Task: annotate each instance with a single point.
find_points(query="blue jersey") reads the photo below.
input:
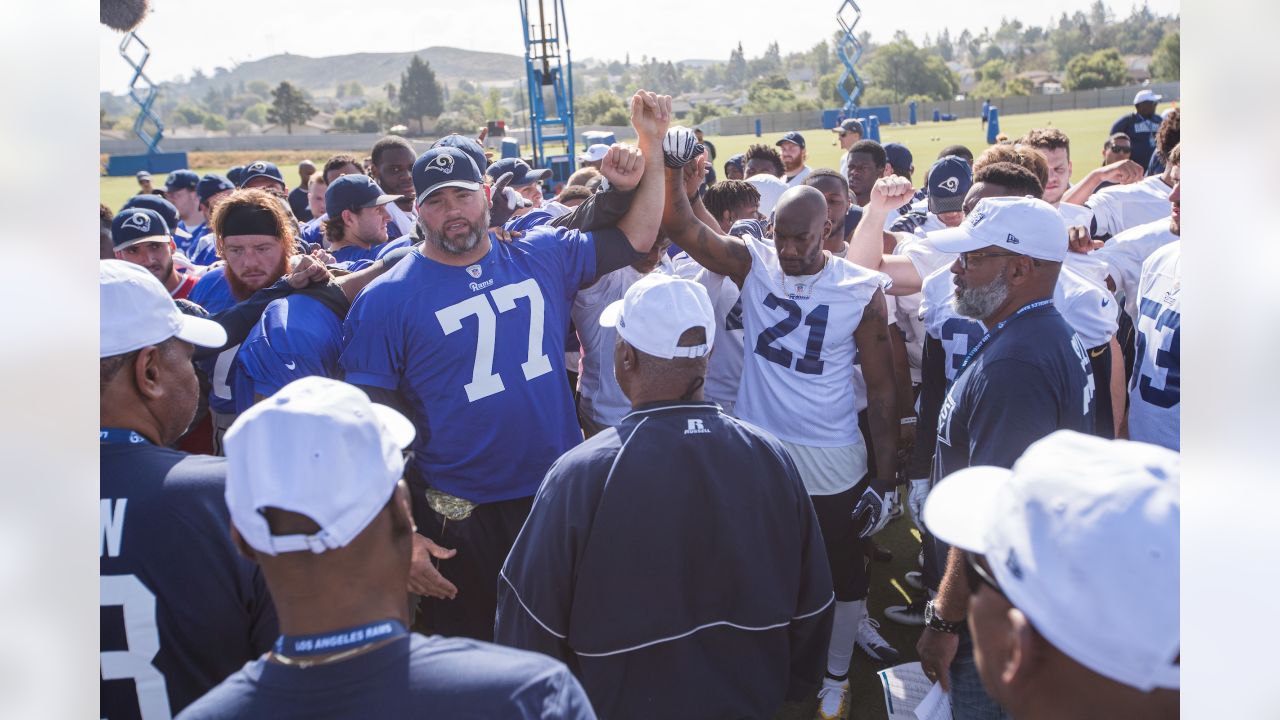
(411, 677)
(477, 354)
(180, 608)
(313, 231)
(402, 241)
(213, 293)
(351, 253)
(296, 337)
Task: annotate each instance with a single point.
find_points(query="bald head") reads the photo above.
(800, 225)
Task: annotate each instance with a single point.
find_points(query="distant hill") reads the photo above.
(373, 70)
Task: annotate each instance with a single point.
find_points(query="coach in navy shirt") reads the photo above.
(467, 335)
(1141, 126)
(674, 562)
(337, 561)
(1028, 376)
(180, 608)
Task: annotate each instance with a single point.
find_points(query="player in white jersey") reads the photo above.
(805, 315)
(1155, 405)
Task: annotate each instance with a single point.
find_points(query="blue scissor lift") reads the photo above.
(849, 50)
(549, 66)
(147, 126)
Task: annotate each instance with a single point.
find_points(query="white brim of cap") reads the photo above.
(147, 239)
(962, 508)
(612, 313)
(956, 240)
(464, 184)
(397, 426)
(202, 332)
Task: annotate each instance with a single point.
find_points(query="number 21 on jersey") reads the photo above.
(811, 363)
(484, 381)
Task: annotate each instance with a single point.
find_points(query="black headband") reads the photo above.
(249, 220)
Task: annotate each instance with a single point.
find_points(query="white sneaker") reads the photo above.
(895, 510)
(915, 579)
(876, 647)
(912, 614)
(833, 701)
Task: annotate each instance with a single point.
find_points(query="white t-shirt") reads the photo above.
(798, 358)
(927, 258)
(799, 177)
(724, 367)
(602, 399)
(1125, 253)
(1117, 208)
(1075, 215)
(1155, 397)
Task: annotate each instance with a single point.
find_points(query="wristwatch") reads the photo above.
(933, 622)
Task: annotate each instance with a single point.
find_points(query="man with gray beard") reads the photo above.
(1026, 377)
(466, 336)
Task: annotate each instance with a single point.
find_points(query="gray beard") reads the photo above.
(460, 248)
(981, 302)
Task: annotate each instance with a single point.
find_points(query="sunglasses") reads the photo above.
(977, 576)
(1122, 149)
(967, 257)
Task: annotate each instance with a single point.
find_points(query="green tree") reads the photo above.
(1166, 63)
(736, 73)
(421, 96)
(593, 108)
(289, 106)
(187, 114)
(1099, 70)
(214, 123)
(904, 69)
(259, 88)
(355, 90)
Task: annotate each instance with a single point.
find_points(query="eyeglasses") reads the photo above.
(977, 576)
(967, 257)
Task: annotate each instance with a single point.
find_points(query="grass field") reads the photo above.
(1088, 129)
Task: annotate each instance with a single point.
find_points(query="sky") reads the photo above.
(184, 35)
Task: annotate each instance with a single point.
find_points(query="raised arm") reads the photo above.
(722, 254)
(650, 115)
(1122, 172)
(866, 246)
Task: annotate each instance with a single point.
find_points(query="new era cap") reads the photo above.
(792, 137)
(181, 180)
(354, 192)
(1146, 96)
(132, 226)
(164, 208)
(260, 168)
(595, 153)
(444, 167)
(211, 185)
(657, 310)
(949, 181)
(319, 448)
(136, 311)
(522, 174)
(1082, 537)
(1023, 225)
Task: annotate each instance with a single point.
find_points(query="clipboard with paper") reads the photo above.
(909, 695)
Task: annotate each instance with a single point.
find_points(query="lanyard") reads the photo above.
(120, 436)
(339, 640)
(999, 326)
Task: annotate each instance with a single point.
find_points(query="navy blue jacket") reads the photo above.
(675, 564)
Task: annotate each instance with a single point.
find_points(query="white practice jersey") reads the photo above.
(1125, 253)
(1086, 306)
(1117, 208)
(907, 314)
(924, 256)
(798, 354)
(602, 399)
(1074, 215)
(1155, 404)
(799, 177)
(724, 367)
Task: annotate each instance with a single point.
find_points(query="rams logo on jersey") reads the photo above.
(138, 221)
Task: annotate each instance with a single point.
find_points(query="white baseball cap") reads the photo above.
(770, 189)
(595, 153)
(1082, 537)
(657, 310)
(136, 311)
(318, 448)
(1147, 96)
(1023, 225)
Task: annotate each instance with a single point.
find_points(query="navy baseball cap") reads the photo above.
(181, 180)
(792, 137)
(523, 174)
(849, 125)
(465, 144)
(444, 167)
(354, 192)
(211, 185)
(735, 161)
(138, 225)
(949, 181)
(142, 175)
(234, 175)
(165, 209)
(260, 168)
(899, 157)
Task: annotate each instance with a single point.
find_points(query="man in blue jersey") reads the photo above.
(165, 209)
(357, 220)
(180, 608)
(335, 167)
(316, 499)
(1141, 126)
(254, 236)
(211, 190)
(467, 335)
(180, 189)
(141, 237)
